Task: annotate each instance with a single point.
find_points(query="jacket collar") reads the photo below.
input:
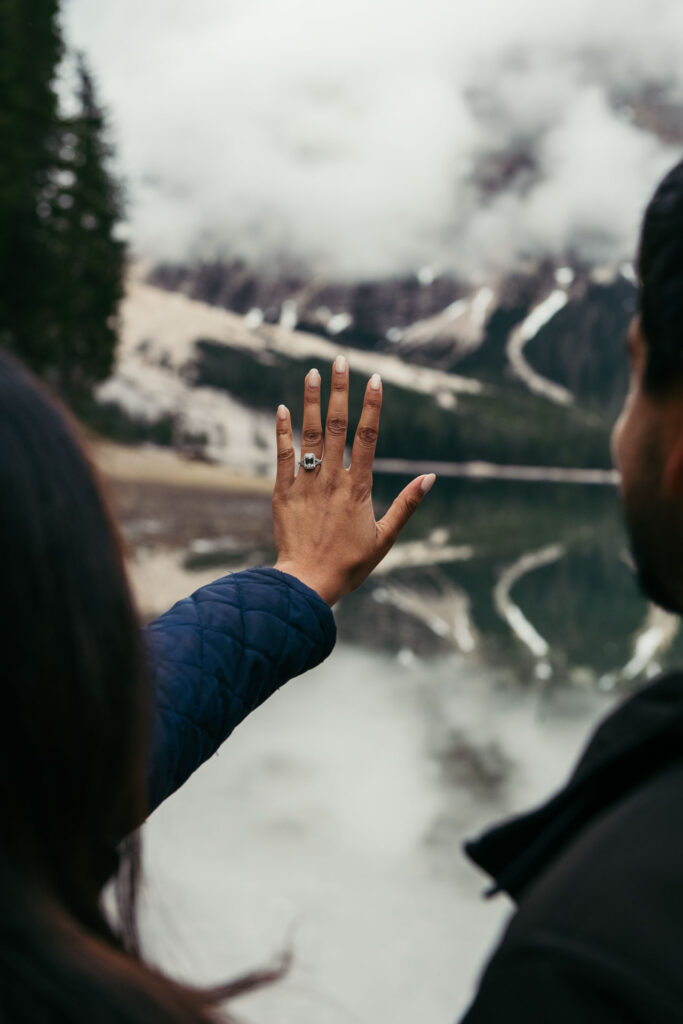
(641, 737)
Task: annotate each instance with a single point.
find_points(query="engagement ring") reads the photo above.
(310, 461)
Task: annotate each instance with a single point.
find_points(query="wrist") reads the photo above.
(310, 578)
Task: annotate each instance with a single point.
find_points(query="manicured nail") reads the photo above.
(313, 378)
(340, 364)
(282, 412)
(427, 482)
(375, 382)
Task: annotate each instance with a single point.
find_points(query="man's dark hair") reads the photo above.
(660, 269)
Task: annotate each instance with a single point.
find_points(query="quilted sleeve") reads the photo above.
(217, 655)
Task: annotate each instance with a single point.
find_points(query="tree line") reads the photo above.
(61, 260)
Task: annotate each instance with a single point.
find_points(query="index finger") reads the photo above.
(365, 441)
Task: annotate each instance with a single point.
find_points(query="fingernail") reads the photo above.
(282, 412)
(313, 378)
(427, 482)
(375, 382)
(340, 364)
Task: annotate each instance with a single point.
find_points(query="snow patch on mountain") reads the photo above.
(153, 376)
(462, 324)
(539, 316)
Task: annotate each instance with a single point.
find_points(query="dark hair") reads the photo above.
(660, 270)
(73, 723)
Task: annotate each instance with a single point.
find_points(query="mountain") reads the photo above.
(527, 369)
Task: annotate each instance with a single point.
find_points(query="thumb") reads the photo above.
(402, 508)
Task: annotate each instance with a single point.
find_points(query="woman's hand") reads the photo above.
(325, 529)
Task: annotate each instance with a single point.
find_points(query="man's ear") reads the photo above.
(637, 346)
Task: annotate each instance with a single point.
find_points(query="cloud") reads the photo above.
(353, 137)
(595, 174)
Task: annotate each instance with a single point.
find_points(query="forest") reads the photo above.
(62, 256)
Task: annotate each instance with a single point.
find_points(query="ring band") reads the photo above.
(310, 461)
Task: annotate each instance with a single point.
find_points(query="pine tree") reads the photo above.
(61, 264)
(87, 209)
(30, 51)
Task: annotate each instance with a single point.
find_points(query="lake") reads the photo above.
(468, 674)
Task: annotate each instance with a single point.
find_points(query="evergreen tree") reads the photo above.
(30, 51)
(87, 208)
(61, 265)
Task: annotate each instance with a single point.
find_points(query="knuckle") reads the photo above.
(336, 425)
(410, 504)
(367, 436)
(312, 435)
(389, 539)
(339, 383)
(285, 455)
(360, 491)
(373, 400)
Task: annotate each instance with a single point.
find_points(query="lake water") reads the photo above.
(465, 681)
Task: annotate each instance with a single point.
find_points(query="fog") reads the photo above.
(363, 139)
(332, 821)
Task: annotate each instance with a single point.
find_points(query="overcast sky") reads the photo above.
(344, 134)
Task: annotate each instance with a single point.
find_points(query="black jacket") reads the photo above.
(597, 873)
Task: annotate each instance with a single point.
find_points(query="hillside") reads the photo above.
(525, 370)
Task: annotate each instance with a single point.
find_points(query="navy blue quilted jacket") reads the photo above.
(217, 655)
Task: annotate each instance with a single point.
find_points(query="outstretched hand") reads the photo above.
(325, 529)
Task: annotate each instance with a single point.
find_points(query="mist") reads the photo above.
(338, 814)
(357, 140)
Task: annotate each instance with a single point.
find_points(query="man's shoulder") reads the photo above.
(617, 886)
(634, 745)
(597, 872)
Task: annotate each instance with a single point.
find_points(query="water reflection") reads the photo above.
(333, 820)
(470, 669)
(530, 578)
(533, 576)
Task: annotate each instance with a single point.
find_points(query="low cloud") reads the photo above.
(360, 139)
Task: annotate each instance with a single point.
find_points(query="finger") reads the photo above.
(285, 448)
(365, 441)
(337, 415)
(311, 430)
(402, 508)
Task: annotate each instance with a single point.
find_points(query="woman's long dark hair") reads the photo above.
(74, 706)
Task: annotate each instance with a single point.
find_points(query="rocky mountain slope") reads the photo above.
(527, 369)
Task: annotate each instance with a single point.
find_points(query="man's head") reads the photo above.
(647, 441)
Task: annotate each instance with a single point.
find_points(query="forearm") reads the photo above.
(217, 655)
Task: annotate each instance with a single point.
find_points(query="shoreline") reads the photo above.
(151, 464)
(493, 471)
(155, 465)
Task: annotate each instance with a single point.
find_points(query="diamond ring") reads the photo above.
(310, 461)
